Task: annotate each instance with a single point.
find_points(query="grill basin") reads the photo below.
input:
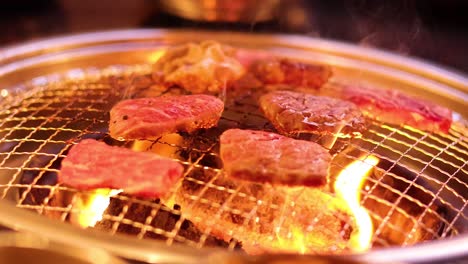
(417, 192)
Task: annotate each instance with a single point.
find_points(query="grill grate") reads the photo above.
(416, 193)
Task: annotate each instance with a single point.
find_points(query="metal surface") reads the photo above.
(223, 10)
(28, 248)
(58, 91)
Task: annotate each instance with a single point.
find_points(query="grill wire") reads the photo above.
(417, 192)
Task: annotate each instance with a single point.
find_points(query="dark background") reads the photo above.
(436, 30)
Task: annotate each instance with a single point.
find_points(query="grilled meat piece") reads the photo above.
(207, 67)
(92, 164)
(293, 73)
(150, 118)
(294, 112)
(265, 218)
(260, 156)
(394, 107)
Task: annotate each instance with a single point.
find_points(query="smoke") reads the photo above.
(391, 25)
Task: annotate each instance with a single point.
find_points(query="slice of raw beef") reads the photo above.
(92, 164)
(150, 118)
(395, 107)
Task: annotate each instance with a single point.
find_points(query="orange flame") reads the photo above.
(294, 241)
(156, 55)
(166, 146)
(93, 206)
(348, 187)
(314, 226)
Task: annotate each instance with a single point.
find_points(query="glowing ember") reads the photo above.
(348, 187)
(155, 56)
(295, 241)
(166, 146)
(311, 222)
(93, 206)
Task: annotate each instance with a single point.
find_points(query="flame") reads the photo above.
(167, 146)
(92, 206)
(295, 241)
(348, 187)
(313, 226)
(155, 56)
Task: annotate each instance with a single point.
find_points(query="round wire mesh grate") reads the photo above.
(417, 191)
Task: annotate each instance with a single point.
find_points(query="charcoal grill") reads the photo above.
(56, 92)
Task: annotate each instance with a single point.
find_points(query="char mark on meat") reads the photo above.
(150, 118)
(92, 164)
(260, 156)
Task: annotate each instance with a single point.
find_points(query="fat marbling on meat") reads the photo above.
(92, 164)
(260, 156)
(395, 107)
(150, 118)
(294, 112)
